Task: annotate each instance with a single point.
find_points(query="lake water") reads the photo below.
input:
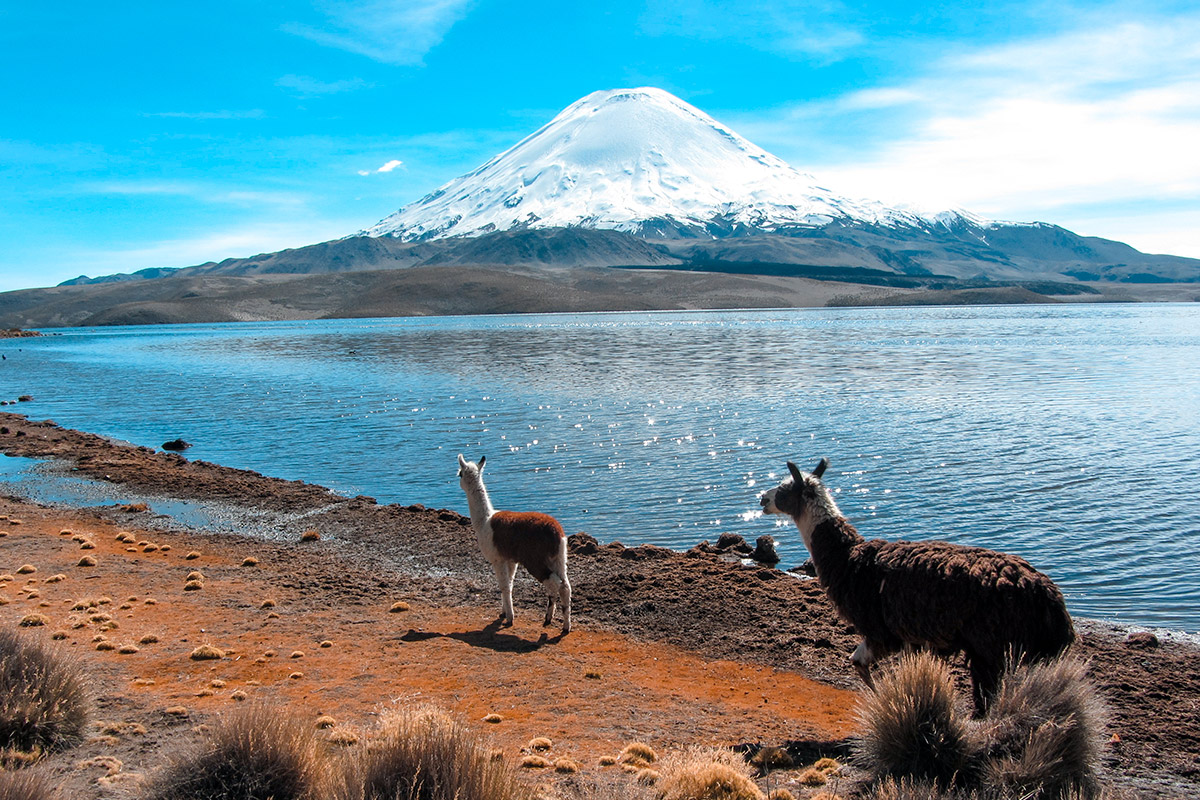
(1067, 434)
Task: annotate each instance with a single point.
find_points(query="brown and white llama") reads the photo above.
(947, 598)
(507, 538)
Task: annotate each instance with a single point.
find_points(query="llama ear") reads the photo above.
(462, 462)
(797, 476)
(820, 470)
(482, 461)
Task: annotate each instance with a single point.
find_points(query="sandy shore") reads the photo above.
(668, 648)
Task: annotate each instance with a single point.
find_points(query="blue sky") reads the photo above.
(163, 134)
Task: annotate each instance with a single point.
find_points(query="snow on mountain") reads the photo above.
(635, 160)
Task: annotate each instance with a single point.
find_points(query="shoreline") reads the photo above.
(649, 600)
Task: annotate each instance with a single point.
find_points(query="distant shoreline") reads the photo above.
(496, 289)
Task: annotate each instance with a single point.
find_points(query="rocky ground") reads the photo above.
(668, 648)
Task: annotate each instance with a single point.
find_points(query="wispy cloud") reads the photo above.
(235, 241)
(253, 113)
(303, 86)
(388, 167)
(199, 192)
(1054, 128)
(392, 31)
(818, 29)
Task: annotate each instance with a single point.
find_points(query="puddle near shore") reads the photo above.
(52, 483)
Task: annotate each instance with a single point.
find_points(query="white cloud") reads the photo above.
(392, 31)
(388, 167)
(1051, 129)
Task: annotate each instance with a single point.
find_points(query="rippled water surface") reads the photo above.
(1067, 434)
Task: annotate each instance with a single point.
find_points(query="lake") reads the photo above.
(1066, 434)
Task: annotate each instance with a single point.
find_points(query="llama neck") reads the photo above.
(828, 535)
(480, 504)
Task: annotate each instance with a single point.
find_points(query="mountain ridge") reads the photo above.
(622, 182)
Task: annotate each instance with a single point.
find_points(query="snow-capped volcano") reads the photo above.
(635, 160)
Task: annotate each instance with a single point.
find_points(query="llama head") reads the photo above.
(798, 494)
(468, 472)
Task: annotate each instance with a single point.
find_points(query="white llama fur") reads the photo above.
(520, 545)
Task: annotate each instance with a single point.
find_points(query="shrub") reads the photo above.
(911, 727)
(44, 703)
(424, 754)
(254, 753)
(1041, 736)
(706, 774)
(1044, 731)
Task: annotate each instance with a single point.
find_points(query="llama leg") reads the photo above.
(551, 586)
(564, 600)
(985, 679)
(862, 658)
(504, 578)
(510, 572)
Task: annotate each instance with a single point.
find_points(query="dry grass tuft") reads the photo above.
(493, 719)
(812, 777)
(608, 761)
(706, 774)
(768, 758)
(325, 721)
(44, 703)
(398, 607)
(238, 695)
(647, 777)
(829, 766)
(149, 638)
(1041, 737)
(910, 724)
(424, 754)
(637, 751)
(34, 621)
(26, 569)
(1044, 731)
(343, 737)
(195, 575)
(128, 649)
(565, 766)
(26, 785)
(193, 586)
(533, 761)
(207, 652)
(310, 536)
(539, 744)
(55, 578)
(256, 753)
(105, 646)
(250, 561)
(192, 556)
(326, 644)
(784, 794)
(268, 603)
